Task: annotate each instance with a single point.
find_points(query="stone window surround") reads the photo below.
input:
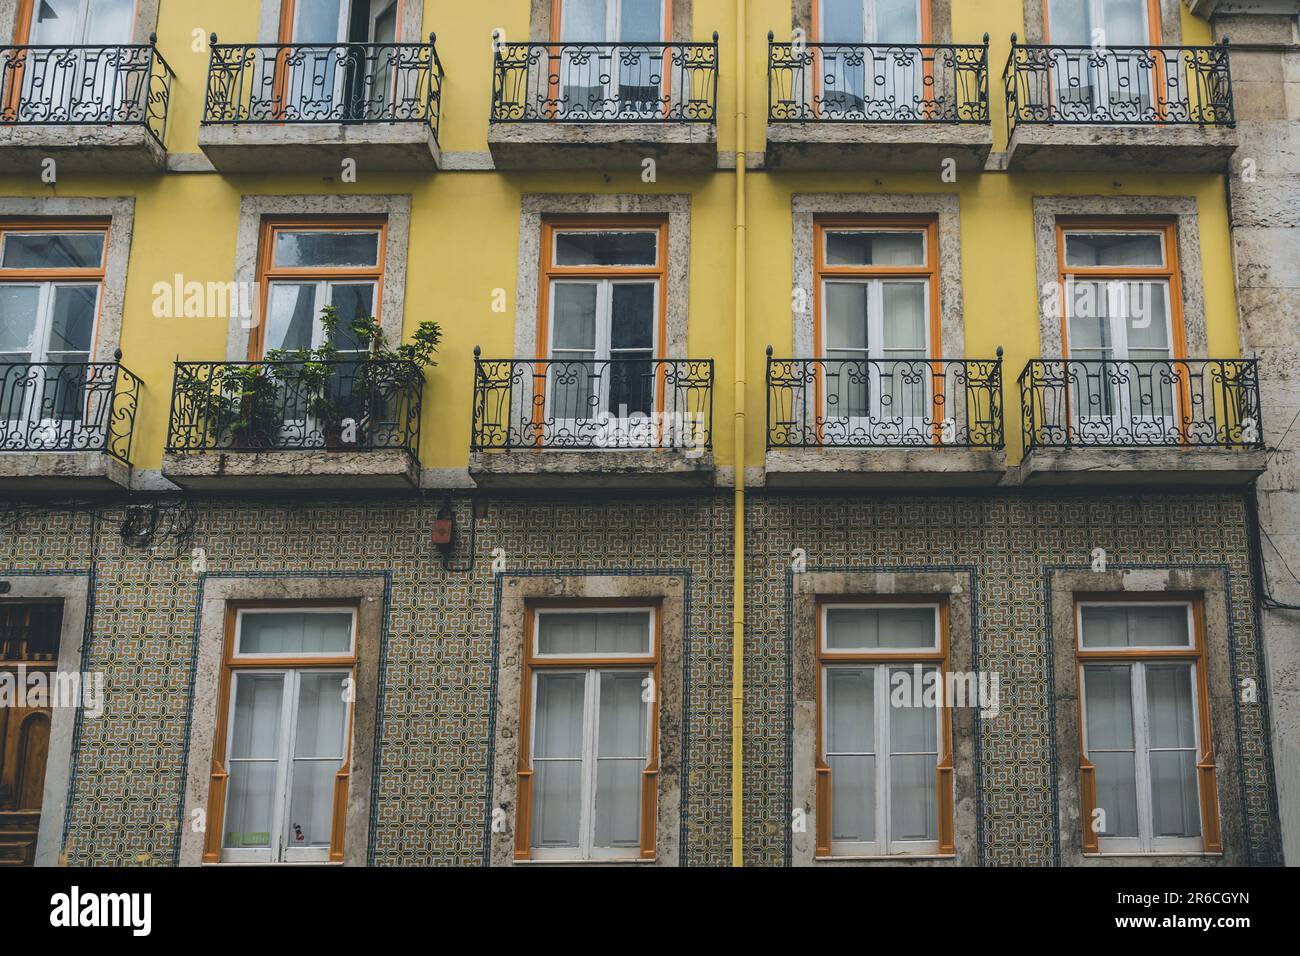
(956, 588)
(369, 593)
(146, 19)
(74, 591)
(253, 210)
(536, 206)
(940, 19)
(1064, 586)
(409, 30)
(516, 592)
(120, 215)
(1171, 26)
(1183, 209)
(541, 15)
(945, 207)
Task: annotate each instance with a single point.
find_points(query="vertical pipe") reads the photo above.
(738, 574)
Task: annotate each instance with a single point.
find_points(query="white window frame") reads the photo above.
(539, 613)
(236, 654)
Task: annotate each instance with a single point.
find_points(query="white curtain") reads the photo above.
(557, 759)
(1171, 727)
(875, 628)
(621, 753)
(254, 760)
(318, 753)
(294, 634)
(588, 634)
(913, 757)
(1108, 701)
(850, 752)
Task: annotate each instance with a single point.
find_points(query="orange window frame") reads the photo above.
(96, 274)
(1206, 772)
(944, 775)
(1155, 35)
(556, 51)
(929, 226)
(927, 40)
(219, 776)
(268, 272)
(533, 664)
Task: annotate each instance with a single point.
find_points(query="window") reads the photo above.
(1122, 327)
(876, 301)
(603, 319)
(884, 764)
(74, 82)
(1101, 81)
(612, 64)
(872, 83)
(588, 760)
(281, 758)
(1147, 768)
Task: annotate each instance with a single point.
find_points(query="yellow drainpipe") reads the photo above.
(738, 440)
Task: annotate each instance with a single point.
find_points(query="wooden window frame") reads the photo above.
(219, 778)
(1206, 771)
(533, 663)
(268, 272)
(939, 658)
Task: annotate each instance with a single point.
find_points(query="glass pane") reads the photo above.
(850, 710)
(606, 248)
(881, 628)
(1105, 626)
(291, 315)
(557, 730)
(898, 21)
(249, 804)
(1171, 720)
(1146, 309)
(317, 21)
(632, 322)
(641, 20)
(1116, 793)
(1069, 22)
(842, 21)
(912, 729)
(875, 249)
(72, 326)
(18, 305)
(311, 803)
(575, 315)
(53, 250)
(353, 301)
(295, 633)
(585, 21)
(110, 21)
(259, 700)
(853, 798)
(1089, 317)
(1125, 22)
(322, 724)
(1108, 700)
(324, 249)
(557, 783)
(621, 756)
(913, 787)
(1175, 803)
(846, 315)
(586, 633)
(1137, 626)
(904, 318)
(55, 22)
(1113, 249)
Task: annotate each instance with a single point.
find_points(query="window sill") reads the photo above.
(612, 861)
(326, 864)
(896, 858)
(1147, 856)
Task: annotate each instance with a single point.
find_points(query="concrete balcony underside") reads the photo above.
(61, 471)
(861, 146)
(1174, 149)
(676, 147)
(320, 148)
(293, 470)
(599, 468)
(1108, 467)
(80, 148)
(902, 468)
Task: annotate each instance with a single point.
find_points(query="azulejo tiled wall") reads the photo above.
(431, 798)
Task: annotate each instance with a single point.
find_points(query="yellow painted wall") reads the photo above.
(464, 233)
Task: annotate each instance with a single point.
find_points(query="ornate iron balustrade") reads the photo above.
(877, 83)
(68, 407)
(635, 403)
(361, 404)
(1119, 85)
(1112, 403)
(884, 403)
(126, 85)
(605, 82)
(324, 83)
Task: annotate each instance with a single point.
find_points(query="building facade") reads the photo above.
(663, 432)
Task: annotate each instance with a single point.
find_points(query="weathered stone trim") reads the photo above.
(940, 19)
(515, 592)
(1047, 209)
(535, 206)
(253, 209)
(946, 207)
(540, 20)
(217, 591)
(410, 26)
(73, 589)
(120, 213)
(957, 587)
(1217, 659)
(146, 19)
(1171, 24)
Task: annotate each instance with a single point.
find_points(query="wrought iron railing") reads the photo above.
(1119, 85)
(605, 82)
(884, 403)
(1115, 403)
(68, 407)
(362, 404)
(324, 83)
(877, 82)
(125, 85)
(635, 403)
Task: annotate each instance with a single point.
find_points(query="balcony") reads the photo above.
(884, 423)
(352, 423)
(1167, 421)
(100, 109)
(877, 106)
(307, 107)
(66, 426)
(636, 422)
(1157, 109)
(606, 106)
